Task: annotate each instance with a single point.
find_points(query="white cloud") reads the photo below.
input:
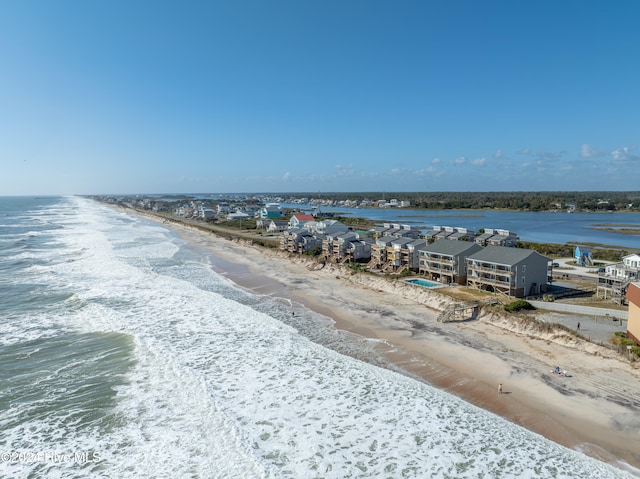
(286, 176)
(436, 161)
(624, 154)
(461, 160)
(498, 154)
(587, 151)
(478, 162)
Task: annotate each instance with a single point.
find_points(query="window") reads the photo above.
(523, 280)
(524, 268)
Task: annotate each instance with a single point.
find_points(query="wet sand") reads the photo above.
(596, 410)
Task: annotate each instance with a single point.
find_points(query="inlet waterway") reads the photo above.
(539, 227)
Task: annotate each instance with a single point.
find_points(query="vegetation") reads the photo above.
(554, 250)
(621, 340)
(518, 305)
(246, 224)
(355, 221)
(315, 251)
(507, 200)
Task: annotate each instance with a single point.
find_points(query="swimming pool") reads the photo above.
(425, 283)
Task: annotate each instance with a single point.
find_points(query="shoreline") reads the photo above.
(595, 411)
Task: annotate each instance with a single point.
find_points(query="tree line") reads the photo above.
(514, 200)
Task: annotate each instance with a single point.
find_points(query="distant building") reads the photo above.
(270, 212)
(613, 282)
(277, 226)
(582, 256)
(207, 214)
(298, 221)
(238, 215)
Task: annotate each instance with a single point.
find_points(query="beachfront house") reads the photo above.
(379, 250)
(445, 260)
(410, 254)
(345, 247)
(513, 272)
(334, 244)
(613, 282)
(299, 241)
(633, 319)
(393, 262)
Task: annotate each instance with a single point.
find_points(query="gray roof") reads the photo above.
(451, 248)
(505, 255)
(417, 242)
(349, 236)
(386, 240)
(402, 241)
(485, 236)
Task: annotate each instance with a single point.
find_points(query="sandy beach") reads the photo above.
(596, 409)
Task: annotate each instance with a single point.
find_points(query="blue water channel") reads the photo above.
(541, 227)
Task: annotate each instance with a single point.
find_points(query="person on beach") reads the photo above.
(500, 388)
(578, 326)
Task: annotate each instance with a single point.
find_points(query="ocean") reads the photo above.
(124, 354)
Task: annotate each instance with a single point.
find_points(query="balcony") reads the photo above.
(490, 270)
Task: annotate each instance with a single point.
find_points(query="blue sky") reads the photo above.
(318, 96)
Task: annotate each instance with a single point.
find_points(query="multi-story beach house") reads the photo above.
(379, 250)
(410, 255)
(513, 272)
(345, 248)
(396, 230)
(299, 241)
(613, 282)
(394, 254)
(449, 232)
(445, 260)
(497, 237)
(334, 245)
(633, 320)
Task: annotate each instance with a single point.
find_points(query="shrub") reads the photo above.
(518, 305)
(315, 251)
